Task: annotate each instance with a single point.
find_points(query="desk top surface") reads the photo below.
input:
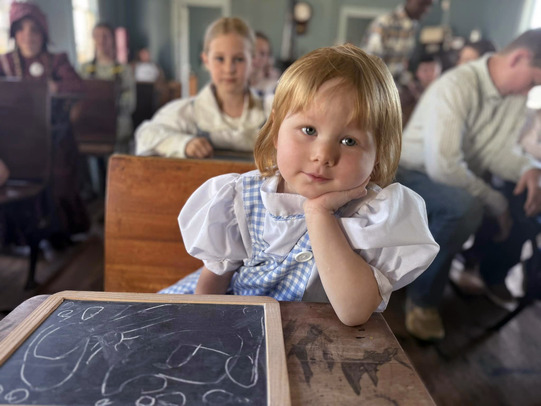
(328, 362)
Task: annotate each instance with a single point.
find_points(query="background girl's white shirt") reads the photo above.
(178, 122)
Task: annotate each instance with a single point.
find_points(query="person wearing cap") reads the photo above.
(31, 61)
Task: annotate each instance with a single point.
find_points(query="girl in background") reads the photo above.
(264, 76)
(319, 220)
(225, 114)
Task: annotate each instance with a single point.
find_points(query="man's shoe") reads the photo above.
(467, 280)
(424, 323)
(500, 296)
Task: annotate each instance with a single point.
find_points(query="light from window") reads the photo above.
(535, 20)
(5, 43)
(85, 16)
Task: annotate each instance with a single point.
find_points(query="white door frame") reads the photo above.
(347, 12)
(181, 29)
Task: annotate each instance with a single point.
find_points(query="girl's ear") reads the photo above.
(205, 59)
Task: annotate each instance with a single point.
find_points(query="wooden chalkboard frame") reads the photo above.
(277, 376)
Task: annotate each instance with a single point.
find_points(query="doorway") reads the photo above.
(192, 19)
(354, 21)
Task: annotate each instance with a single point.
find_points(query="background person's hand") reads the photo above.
(199, 147)
(531, 182)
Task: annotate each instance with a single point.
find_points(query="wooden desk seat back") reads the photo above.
(94, 118)
(25, 141)
(25, 137)
(146, 102)
(143, 245)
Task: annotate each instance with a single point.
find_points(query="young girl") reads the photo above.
(313, 223)
(225, 114)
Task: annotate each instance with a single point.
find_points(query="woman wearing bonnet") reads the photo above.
(31, 61)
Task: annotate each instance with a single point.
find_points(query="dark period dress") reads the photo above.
(62, 202)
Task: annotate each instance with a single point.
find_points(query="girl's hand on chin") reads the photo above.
(332, 201)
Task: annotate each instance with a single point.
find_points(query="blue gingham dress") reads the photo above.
(263, 274)
(241, 224)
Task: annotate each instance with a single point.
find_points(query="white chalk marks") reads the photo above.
(112, 353)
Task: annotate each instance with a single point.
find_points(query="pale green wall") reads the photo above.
(60, 22)
(498, 20)
(149, 22)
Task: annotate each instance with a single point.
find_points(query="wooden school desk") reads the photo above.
(328, 363)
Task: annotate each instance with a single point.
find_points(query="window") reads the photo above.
(535, 19)
(5, 43)
(85, 16)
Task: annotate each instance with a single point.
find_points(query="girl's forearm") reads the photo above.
(348, 280)
(211, 284)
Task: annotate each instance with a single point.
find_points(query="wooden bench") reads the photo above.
(146, 102)
(94, 118)
(143, 245)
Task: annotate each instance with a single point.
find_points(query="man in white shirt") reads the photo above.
(465, 127)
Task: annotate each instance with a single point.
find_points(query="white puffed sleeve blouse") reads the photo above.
(388, 228)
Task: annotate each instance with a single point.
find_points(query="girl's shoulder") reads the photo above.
(183, 107)
(221, 192)
(231, 180)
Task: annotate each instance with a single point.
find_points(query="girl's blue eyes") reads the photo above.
(309, 130)
(222, 59)
(348, 142)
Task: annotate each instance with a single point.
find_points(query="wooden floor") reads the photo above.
(470, 367)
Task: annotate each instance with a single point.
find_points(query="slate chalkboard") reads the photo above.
(141, 349)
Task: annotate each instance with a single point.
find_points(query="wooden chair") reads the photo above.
(146, 103)
(25, 147)
(143, 245)
(94, 118)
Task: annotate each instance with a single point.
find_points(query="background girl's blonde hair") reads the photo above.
(376, 107)
(228, 25)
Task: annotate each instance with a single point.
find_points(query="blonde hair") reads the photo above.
(228, 25)
(376, 103)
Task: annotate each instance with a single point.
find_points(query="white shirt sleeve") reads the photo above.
(390, 231)
(209, 226)
(168, 132)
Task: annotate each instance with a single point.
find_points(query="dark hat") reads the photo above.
(18, 11)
